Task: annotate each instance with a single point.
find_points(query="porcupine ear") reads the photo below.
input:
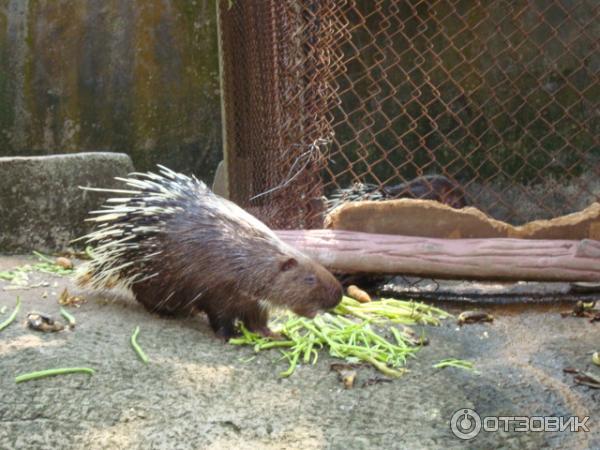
(287, 264)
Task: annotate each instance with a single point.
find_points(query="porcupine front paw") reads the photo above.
(223, 327)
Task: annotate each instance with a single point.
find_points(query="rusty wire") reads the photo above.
(501, 97)
(278, 79)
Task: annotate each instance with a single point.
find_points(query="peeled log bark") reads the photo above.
(491, 259)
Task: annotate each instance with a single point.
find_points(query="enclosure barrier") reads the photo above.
(498, 96)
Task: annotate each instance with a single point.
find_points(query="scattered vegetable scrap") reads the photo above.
(596, 358)
(584, 378)
(353, 340)
(477, 316)
(348, 379)
(43, 322)
(70, 319)
(346, 374)
(412, 337)
(584, 309)
(19, 278)
(12, 316)
(458, 363)
(52, 372)
(136, 346)
(52, 266)
(63, 262)
(66, 299)
(358, 294)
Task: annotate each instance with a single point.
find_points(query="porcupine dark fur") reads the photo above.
(182, 249)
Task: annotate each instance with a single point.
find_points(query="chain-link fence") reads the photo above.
(500, 98)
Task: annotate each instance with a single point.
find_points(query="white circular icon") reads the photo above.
(465, 424)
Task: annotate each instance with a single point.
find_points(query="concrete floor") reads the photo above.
(200, 393)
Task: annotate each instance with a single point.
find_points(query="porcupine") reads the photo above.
(182, 249)
(429, 187)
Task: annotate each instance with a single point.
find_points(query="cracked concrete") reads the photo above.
(200, 393)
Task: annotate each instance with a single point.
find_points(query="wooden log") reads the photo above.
(490, 259)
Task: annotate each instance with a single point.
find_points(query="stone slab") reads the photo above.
(41, 204)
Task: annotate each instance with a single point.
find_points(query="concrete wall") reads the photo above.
(139, 77)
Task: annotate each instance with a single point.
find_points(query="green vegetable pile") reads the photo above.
(349, 332)
(46, 264)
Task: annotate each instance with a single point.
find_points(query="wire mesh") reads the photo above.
(499, 98)
(277, 88)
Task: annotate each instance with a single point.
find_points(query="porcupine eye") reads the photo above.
(311, 280)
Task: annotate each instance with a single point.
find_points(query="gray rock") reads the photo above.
(41, 204)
